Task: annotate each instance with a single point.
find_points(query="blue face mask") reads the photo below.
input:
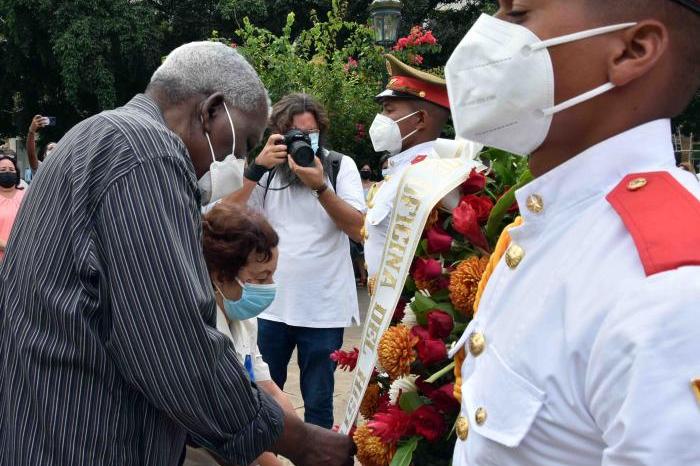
(254, 300)
(314, 140)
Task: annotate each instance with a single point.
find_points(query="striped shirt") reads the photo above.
(108, 348)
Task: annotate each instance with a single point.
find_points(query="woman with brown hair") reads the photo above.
(240, 249)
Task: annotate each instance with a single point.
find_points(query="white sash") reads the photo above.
(422, 186)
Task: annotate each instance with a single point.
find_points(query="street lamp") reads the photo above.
(386, 16)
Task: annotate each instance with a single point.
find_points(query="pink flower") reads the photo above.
(416, 59)
(390, 426)
(347, 360)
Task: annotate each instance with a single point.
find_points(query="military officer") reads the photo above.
(585, 348)
(415, 109)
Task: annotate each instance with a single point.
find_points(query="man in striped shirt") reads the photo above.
(108, 351)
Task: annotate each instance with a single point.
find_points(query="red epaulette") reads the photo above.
(662, 217)
(418, 159)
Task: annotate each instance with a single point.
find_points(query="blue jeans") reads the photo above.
(277, 341)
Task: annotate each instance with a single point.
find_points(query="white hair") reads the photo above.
(209, 67)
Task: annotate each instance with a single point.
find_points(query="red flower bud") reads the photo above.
(464, 220)
(428, 423)
(426, 269)
(444, 399)
(475, 183)
(391, 425)
(440, 324)
(431, 351)
(421, 332)
(439, 240)
(482, 206)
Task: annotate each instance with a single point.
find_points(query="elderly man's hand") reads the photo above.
(313, 176)
(326, 448)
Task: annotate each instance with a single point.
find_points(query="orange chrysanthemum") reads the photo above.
(370, 401)
(431, 286)
(396, 352)
(371, 451)
(464, 281)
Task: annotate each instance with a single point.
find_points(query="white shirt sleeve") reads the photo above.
(260, 367)
(349, 184)
(638, 382)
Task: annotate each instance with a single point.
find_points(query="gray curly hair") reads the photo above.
(208, 67)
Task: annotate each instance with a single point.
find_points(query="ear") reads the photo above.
(211, 106)
(422, 116)
(637, 52)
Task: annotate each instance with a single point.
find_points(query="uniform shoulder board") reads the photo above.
(662, 217)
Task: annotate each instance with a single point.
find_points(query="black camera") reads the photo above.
(299, 147)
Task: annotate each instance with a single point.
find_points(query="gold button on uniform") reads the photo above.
(637, 183)
(462, 427)
(477, 343)
(480, 416)
(514, 255)
(535, 203)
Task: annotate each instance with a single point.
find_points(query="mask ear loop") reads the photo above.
(211, 148)
(412, 132)
(233, 131)
(571, 38)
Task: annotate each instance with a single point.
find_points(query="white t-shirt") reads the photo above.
(315, 278)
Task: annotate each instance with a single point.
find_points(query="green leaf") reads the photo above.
(404, 454)
(410, 401)
(421, 306)
(499, 211)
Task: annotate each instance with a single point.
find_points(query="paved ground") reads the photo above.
(342, 379)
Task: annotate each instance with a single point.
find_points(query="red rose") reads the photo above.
(421, 332)
(464, 220)
(426, 269)
(431, 351)
(442, 283)
(347, 360)
(424, 387)
(392, 425)
(444, 399)
(482, 206)
(439, 240)
(475, 183)
(440, 324)
(428, 423)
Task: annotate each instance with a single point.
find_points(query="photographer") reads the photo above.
(314, 209)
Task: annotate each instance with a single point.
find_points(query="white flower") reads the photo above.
(405, 384)
(409, 316)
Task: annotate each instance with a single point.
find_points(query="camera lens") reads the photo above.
(302, 153)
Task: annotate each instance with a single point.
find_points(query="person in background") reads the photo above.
(37, 123)
(109, 349)
(240, 249)
(11, 195)
(367, 181)
(415, 109)
(384, 164)
(317, 296)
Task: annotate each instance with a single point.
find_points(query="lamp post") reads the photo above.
(386, 16)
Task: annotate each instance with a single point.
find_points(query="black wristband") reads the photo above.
(254, 172)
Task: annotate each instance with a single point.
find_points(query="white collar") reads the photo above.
(598, 169)
(406, 157)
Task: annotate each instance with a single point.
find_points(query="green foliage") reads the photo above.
(404, 454)
(335, 60)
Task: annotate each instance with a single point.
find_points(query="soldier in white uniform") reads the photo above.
(585, 348)
(415, 109)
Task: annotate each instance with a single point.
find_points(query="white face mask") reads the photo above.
(223, 177)
(386, 134)
(500, 81)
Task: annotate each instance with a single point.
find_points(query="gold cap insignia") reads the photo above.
(695, 386)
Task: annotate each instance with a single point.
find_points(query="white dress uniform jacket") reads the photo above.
(586, 360)
(378, 218)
